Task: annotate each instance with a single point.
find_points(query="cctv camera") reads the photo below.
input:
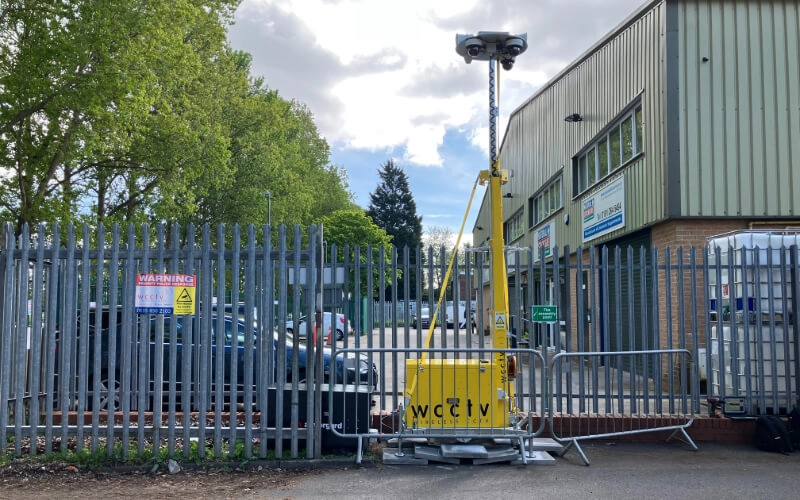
(507, 62)
(515, 46)
(474, 47)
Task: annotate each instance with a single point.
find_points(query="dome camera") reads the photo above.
(507, 62)
(515, 46)
(474, 47)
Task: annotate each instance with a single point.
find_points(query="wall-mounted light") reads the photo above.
(508, 195)
(574, 117)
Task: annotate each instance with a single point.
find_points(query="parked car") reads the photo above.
(300, 327)
(237, 310)
(345, 369)
(422, 319)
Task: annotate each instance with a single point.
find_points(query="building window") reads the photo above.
(515, 227)
(618, 144)
(546, 202)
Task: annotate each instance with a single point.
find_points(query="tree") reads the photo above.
(276, 147)
(107, 105)
(139, 111)
(344, 227)
(439, 236)
(393, 208)
(439, 243)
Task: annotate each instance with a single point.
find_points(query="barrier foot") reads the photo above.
(566, 447)
(570, 444)
(686, 439)
(359, 454)
(523, 451)
(400, 448)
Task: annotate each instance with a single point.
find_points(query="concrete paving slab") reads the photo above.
(393, 442)
(537, 458)
(434, 453)
(464, 450)
(544, 444)
(390, 457)
(498, 455)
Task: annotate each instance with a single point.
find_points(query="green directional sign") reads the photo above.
(545, 314)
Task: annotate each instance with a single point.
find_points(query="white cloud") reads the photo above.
(383, 75)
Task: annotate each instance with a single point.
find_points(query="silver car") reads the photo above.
(342, 326)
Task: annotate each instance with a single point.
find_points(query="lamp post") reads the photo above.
(502, 47)
(269, 207)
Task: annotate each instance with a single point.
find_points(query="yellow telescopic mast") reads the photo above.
(502, 48)
(477, 395)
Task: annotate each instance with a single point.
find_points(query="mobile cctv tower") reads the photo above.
(470, 394)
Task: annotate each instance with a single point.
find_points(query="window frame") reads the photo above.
(629, 121)
(515, 226)
(546, 201)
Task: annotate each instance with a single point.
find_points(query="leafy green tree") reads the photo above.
(138, 111)
(108, 106)
(276, 147)
(393, 208)
(344, 227)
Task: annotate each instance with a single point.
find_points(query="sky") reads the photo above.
(383, 81)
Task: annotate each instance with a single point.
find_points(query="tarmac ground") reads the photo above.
(618, 470)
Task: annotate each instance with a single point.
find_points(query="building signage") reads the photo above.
(545, 241)
(544, 314)
(604, 211)
(165, 293)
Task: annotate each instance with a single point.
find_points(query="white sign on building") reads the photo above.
(604, 210)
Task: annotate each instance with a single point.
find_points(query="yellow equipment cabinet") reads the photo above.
(457, 394)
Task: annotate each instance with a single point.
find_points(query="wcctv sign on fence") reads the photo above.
(165, 293)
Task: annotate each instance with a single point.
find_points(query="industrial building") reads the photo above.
(682, 123)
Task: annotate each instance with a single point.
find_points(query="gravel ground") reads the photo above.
(63, 480)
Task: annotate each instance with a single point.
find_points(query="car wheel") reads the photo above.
(301, 376)
(109, 400)
(289, 331)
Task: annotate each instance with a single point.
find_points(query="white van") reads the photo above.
(450, 316)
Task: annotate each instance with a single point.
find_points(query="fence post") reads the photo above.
(6, 275)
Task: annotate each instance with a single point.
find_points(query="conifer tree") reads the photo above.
(392, 208)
